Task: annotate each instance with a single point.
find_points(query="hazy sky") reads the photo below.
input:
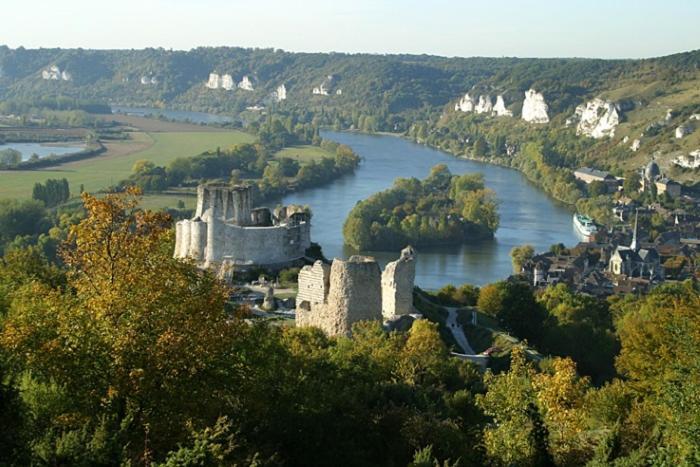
(536, 28)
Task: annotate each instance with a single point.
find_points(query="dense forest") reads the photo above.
(378, 92)
(442, 209)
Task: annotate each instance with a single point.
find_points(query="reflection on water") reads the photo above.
(527, 214)
(43, 149)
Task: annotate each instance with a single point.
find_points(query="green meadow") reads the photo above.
(115, 165)
(303, 153)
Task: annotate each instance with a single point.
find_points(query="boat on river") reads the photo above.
(585, 227)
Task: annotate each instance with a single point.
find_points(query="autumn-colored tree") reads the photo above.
(560, 396)
(660, 338)
(517, 435)
(519, 255)
(139, 332)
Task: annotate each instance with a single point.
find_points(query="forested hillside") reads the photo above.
(410, 94)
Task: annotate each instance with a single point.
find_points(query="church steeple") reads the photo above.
(633, 245)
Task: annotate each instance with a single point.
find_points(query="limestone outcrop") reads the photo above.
(335, 297)
(217, 81)
(535, 108)
(636, 144)
(683, 131)
(54, 73)
(500, 109)
(147, 80)
(484, 106)
(325, 88)
(246, 84)
(597, 118)
(397, 285)
(280, 93)
(465, 104)
(226, 233)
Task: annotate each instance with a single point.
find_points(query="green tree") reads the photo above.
(519, 255)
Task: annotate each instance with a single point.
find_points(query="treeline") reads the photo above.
(105, 364)
(379, 93)
(19, 106)
(253, 163)
(52, 193)
(443, 208)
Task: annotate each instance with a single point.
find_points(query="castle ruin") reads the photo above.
(226, 234)
(335, 297)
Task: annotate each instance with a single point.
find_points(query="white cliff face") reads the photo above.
(213, 82)
(500, 109)
(682, 131)
(534, 107)
(465, 104)
(281, 93)
(246, 84)
(484, 106)
(54, 73)
(597, 118)
(217, 81)
(226, 82)
(148, 80)
(324, 88)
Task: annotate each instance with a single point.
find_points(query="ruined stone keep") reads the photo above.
(335, 297)
(226, 234)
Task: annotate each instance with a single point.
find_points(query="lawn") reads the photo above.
(115, 165)
(304, 153)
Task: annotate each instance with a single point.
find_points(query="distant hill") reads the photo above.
(369, 92)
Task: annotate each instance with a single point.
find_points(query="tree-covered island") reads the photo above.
(442, 209)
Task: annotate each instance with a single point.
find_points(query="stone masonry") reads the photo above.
(335, 297)
(227, 234)
(397, 285)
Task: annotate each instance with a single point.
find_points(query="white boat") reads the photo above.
(585, 227)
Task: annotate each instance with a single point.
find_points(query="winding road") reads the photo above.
(457, 330)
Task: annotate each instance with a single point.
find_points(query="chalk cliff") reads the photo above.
(280, 93)
(465, 104)
(484, 106)
(54, 73)
(246, 84)
(597, 118)
(500, 110)
(535, 108)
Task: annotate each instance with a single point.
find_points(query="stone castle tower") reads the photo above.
(226, 231)
(335, 297)
(397, 285)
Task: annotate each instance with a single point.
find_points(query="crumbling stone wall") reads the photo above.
(335, 298)
(397, 285)
(314, 283)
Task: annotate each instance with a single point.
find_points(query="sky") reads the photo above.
(494, 28)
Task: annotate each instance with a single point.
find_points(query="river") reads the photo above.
(528, 215)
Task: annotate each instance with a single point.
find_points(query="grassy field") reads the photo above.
(157, 202)
(304, 154)
(115, 165)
